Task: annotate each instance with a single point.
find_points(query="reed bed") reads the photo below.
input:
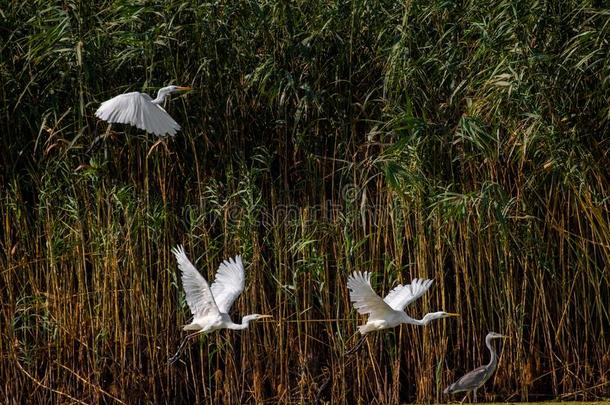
(461, 141)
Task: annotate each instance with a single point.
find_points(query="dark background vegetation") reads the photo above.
(462, 141)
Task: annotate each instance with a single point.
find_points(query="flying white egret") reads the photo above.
(387, 312)
(477, 377)
(210, 305)
(140, 110)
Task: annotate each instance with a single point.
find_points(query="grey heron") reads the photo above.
(477, 377)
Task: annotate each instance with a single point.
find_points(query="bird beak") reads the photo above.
(453, 314)
(184, 88)
(265, 316)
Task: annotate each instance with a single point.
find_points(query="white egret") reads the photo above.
(210, 305)
(387, 312)
(140, 110)
(477, 377)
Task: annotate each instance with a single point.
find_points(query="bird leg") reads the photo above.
(464, 399)
(99, 137)
(176, 356)
(323, 386)
(356, 347)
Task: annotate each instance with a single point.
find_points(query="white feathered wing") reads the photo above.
(403, 295)
(365, 300)
(199, 296)
(229, 283)
(137, 109)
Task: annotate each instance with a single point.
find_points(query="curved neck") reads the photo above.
(245, 322)
(494, 358)
(161, 94)
(424, 321)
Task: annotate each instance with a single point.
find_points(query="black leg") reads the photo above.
(356, 347)
(176, 356)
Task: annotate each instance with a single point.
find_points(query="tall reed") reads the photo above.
(464, 142)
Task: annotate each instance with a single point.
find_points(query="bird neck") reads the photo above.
(425, 320)
(161, 94)
(494, 358)
(238, 326)
(245, 322)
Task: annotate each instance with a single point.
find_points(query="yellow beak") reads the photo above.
(453, 314)
(184, 88)
(265, 316)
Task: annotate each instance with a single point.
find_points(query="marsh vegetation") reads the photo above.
(462, 141)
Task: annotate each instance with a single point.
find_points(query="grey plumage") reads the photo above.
(477, 377)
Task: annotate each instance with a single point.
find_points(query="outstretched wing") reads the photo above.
(365, 300)
(198, 294)
(137, 109)
(229, 283)
(403, 295)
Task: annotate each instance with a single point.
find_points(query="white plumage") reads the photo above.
(198, 293)
(403, 295)
(210, 305)
(229, 283)
(388, 313)
(140, 110)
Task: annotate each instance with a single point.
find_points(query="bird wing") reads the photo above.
(229, 283)
(137, 109)
(365, 300)
(198, 294)
(403, 295)
(470, 381)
